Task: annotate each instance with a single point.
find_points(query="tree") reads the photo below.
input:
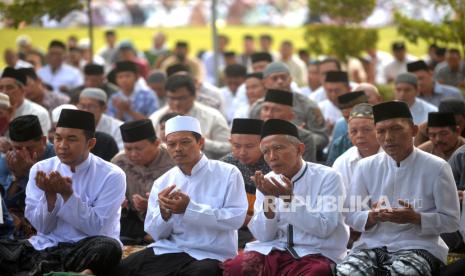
(30, 11)
(345, 37)
(450, 30)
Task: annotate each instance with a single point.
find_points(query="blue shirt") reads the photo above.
(441, 91)
(340, 128)
(6, 178)
(141, 101)
(337, 148)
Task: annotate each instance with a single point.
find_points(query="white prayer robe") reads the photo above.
(330, 112)
(93, 209)
(423, 180)
(217, 208)
(65, 75)
(346, 164)
(110, 126)
(316, 231)
(420, 110)
(31, 108)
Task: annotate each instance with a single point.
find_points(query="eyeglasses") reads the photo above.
(179, 99)
(90, 108)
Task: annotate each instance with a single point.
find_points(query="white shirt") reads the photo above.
(217, 208)
(214, 128)
(346, 164)
(423, 180)
(330, 112)
(110, 126)
(66, 75)
(22, 64)
(315, 230)
(93, 209)
(229, 101)
(319, 94)
(395, 67)
(31, 108)
(420, 110)
(242, 112)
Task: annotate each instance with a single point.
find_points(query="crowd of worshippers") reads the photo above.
(237, 180)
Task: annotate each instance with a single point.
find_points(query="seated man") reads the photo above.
(277, 104)
(94, 100)
(181, 93)
(444, 135)
(74, 202)
(247, 157)
(410, 200)
(362, 134)
(194, 210)
(130, 103)
(29, 145)
(298, 230)
(341, 144)
(143, 161)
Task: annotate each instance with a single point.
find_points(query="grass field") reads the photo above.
(198, 37)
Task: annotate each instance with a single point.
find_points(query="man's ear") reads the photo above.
(91, 143)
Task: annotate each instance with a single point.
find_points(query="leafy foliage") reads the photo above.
(345, 37)
(451, 30)
(30, 11)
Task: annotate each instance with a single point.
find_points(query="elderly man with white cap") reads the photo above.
(94, 100)
(194, 210)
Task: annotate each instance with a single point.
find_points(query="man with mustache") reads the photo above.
(444, 135)
(412, 199)
(73, 200)
(194, 210)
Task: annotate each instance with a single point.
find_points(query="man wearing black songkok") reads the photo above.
(143, 161)
(29, 146)
(73, 200)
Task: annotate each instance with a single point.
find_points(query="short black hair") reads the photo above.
(176, 68)
(57, 43)
(110, 32)
(196, 136)
(167, 116)
(235, 71)
(266, 37)
(248, 37)
(453, 105)
(333, 60)
(89, 134)
(180, 81)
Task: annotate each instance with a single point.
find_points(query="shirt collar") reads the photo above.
(300, 173)
(81, 167)
(355, 155)
(197, 167)
(407, 162)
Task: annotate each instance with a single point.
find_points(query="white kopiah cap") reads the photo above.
(57, 111)
(182, 123)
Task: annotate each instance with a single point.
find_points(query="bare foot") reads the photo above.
(87, 272)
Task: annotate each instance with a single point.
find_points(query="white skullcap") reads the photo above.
(4, 100)
(94, 93)
(182, 123)
(23, 40)
(57, 111)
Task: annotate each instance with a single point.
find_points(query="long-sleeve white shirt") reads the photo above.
(65, 75)
(31, 108)
(346, 164)
(420, 110)
(317, 228)
(110, 126)
(217, 208)
(423, 180)
(93, 209)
